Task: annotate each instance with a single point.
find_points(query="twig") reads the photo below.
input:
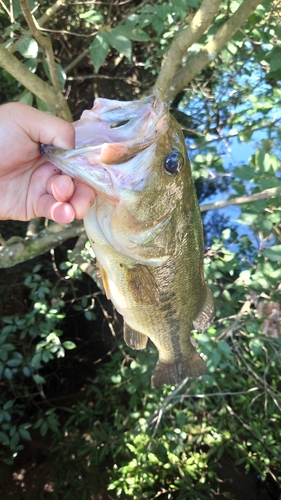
(267, 193)
(183, 40)
(29, 80)
(126, 79)
(5, 8)
(45, 42)
(51, 11)
(77, 60)
(220, 394)
(210, 51)
(247, 427)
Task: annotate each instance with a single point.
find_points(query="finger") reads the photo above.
(82, 199)
(61, 187)
(48, 207)
(42, 127)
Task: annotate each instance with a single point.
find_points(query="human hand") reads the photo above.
(29, 185)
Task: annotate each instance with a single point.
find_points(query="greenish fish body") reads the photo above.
(145, 227)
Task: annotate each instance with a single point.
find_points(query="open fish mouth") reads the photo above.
(108, 139)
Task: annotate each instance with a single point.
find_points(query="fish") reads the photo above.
(144, 226)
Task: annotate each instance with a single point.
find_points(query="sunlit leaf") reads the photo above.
(273, 253)
(28, 47)
(99, 50)
(92, 16)
(120, 42)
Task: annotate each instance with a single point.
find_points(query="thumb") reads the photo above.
(42, 127)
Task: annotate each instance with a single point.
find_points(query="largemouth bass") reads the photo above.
(145, 227)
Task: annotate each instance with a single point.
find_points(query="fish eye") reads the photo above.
(119, 124)
(173, 162)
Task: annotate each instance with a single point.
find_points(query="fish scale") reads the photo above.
(145, 227)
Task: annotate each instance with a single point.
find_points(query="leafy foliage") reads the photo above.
(121, 435)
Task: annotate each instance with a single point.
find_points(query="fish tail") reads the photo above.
(173, 373)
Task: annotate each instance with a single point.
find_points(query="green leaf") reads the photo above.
(11, 28)
(256, 345)
(4, 439)
(99, 50)
(14, 441)
(273, 253)
(44, 429)
(8, 373)
(38, 379)
(135, 34)
(247, 218)
(92, 16)
(120, 42)
(275, 59)
(44, 107)
(90, 316)
(31, 64)
(26, 371)
(60, 72)
(245, 173)
(37, 268)
(158, 24)
(24, 434)
(13, 362)
(264, 224)
(278, 31)
(192, 3)
(26, 97)
(28, 47)
(67, 344)
(8, 405)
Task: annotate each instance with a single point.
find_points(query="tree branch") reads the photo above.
(183, 40)
(45, 42)
(211, 49)
(29, 80)
(41, 21)
(25, 249)
(17, 250)
(267, 193)
(51, 11)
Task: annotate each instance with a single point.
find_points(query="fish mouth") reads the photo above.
(110, 141)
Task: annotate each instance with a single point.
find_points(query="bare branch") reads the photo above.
(29, 80)
(183, 40)
(41, 21)
(22, 250)
(51, 11)
(263, 195)
(211, 49)
(5, 8)
(45, 42)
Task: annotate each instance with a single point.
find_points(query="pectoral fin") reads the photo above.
(205, 317)
(134, 339)
(142, 285)
(104, 281)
